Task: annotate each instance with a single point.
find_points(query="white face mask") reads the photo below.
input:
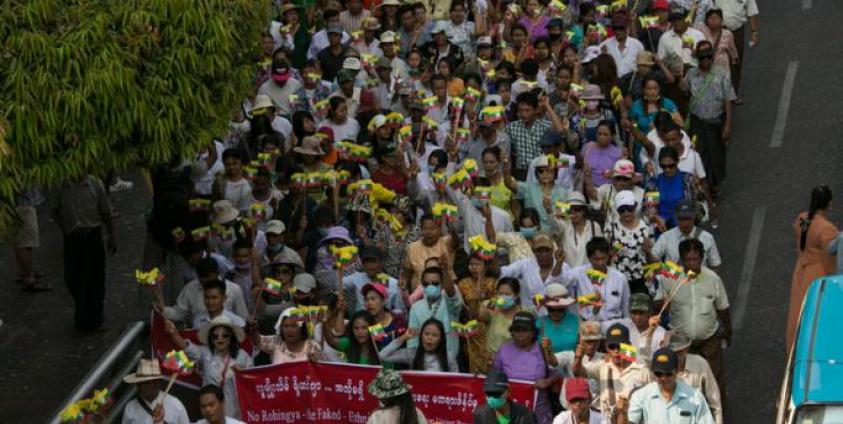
(592, 104)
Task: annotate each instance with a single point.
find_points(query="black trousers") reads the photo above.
(84, 274)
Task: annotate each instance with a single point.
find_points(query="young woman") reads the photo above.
(395, 400)
(232, 184)
(520, 48)
(391, 172)
(374, 302)
(673, 186)
(291, 342)
(499, 194)
(497, 313)
(547, 70)
(430, 355)
(814, 232)
(218, 356)
(577, 230)
(343, 126)
(356, 342)
(541, 195)
(534, 20)
(600, 156)
(475, 289)
(630, 238)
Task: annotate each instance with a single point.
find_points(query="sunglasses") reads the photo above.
(667, 165)
(626, 208)
(613, 346)
(662, 374)
(218, 336)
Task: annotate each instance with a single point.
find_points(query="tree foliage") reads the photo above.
(90, 86)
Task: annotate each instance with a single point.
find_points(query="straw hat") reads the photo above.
(262, 101)
(148, 370)
(224, 212)
(220, 321)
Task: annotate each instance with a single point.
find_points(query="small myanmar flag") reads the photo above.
(596, 277)
(272, 286)
(628, 352)
(378, 332)
(589, 299)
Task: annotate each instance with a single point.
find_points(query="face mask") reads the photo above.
(495, 402)
(432, 292)
(592, 104)
(528, 233)
(478, 203)
(275, 248)
(508, 301)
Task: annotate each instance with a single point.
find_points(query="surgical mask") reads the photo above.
(432, 292)
(478, 203)
(275, 248)
(528, 233)
(592, 104)
(508, 301)
(495, 402)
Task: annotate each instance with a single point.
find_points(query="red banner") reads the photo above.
(163, 343)
(337, 393)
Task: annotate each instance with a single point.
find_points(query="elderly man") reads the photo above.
(152, 405)
(605, 285)
(667, 246)
(694, 371)
(666, 400)
(535, 272)
(699, 305)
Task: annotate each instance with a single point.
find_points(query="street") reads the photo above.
(782, 145)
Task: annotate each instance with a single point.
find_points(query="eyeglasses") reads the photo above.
(431, 283)
(613, 346)
(662, 374)
(218, 336)
(626, 208)
(667, 165)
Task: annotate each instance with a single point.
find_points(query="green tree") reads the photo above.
(91, 86)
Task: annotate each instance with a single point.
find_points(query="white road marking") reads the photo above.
(806, 4)
(784, 105)
(750, 256)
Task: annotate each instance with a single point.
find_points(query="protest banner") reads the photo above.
(319, 392)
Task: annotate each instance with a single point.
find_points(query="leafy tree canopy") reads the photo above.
(91, 86)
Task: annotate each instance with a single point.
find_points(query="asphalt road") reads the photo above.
(43, 357)
(768, 186)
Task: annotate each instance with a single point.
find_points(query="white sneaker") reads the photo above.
(120, 185)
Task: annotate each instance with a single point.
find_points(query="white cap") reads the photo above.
(624, 198)
(387, 37)
(485, 40)
(304, 283)
(591, 53)
(275, 227)
(351, 63)
(576, 198)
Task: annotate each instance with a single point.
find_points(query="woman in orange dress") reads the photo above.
(814, 232)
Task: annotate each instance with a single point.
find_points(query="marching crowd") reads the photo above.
(518, 189)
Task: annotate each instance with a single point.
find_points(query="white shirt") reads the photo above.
(645, 350)
(736, 12)
(203, 183)
(528, 273)
(567, 417)
(573, 243)
(614, 293)
(626, 59)
(174, 412)
(671, 43)
(565, 175)
(281, 95)
(667, 246)
(320, 41)
(690, 162)
(473, 221)
(191, 302)
(345, 131)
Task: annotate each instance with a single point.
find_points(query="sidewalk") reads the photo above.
(43, 356)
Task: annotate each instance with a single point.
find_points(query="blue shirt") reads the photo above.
(687, 405)
(638, 114)
(563, 336)
(446, 309)
(671, 190)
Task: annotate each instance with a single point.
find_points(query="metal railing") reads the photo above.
(121, 359)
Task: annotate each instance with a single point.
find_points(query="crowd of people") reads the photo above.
(528, 173)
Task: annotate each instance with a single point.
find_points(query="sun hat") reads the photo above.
(590, 331)
(623, 168)
(262, 101)
(496, 382)
(220, 321)
(390, 3)
(288, 257)
(310, 146)
(590, 54)
(591, 92)
(542, 240)
(645, 58)
(557, 296)
(275, 227)
(577, 388)
(576, 198)
(624, 198)
(148, 370)
(286, 8)
(370, 24)
(287, 313)
(340, 233)
(378, 287)
(388, 384)
(224, 212)
(387, 37)
(617, 334)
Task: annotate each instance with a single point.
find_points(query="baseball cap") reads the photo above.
(576, 198)
(590, 331)
(440, 27)
(623, 168)
(685, 209)
(275, 227)
(351, 63)
(523, 321)
(640, 302)
(617, 334)
(380, 288)
(336, 29)
(496, 382)
(577, 388)
(542, 240)
(371, 252)
(661, 5)
(664, 360)
(624, 198)
(484, 41)
(304, 283)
